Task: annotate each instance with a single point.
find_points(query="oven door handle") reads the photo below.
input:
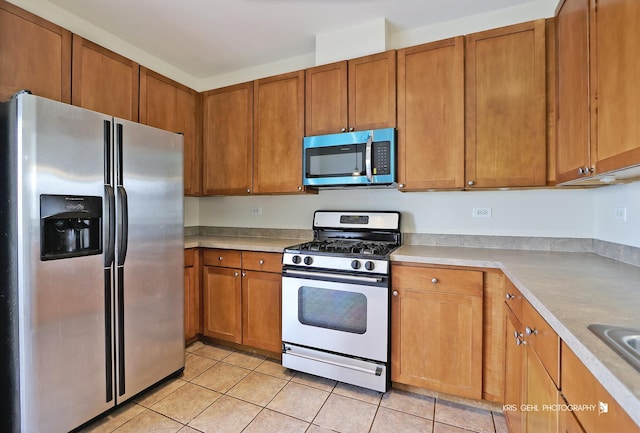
(287, 272)
(375, 371)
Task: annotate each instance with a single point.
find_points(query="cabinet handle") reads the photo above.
(520, 342)
(299, 188)
(248, 190)
(395, 293)
(220, 258)
(401, 185)
(351, 129)
(434, 280)
(581, 170)
(244, 274)
(261, 262)
(530, 331)
(235, 274)
(344, 130)
(470, 183)
(509, 296)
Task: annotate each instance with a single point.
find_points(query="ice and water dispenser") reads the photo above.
(70, 226)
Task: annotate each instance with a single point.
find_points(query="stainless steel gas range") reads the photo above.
(335, 298)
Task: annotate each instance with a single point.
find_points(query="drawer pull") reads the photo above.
(530, 331)
(220, 258)
(509, 296)
(434, 280)
(261, 262)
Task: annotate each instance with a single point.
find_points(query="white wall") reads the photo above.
(607, 227)
(544, 213)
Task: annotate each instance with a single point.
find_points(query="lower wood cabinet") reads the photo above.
(541, 396)
(514, 367)
(436, 329)
(241, 296)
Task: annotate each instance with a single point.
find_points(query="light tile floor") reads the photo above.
(224, 391)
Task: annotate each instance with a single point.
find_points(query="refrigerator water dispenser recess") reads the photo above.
(70, 226)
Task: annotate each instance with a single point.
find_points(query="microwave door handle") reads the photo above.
(367, 157)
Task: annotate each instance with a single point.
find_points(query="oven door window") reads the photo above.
(332, 309)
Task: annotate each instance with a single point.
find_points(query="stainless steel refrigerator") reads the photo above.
(91, 265)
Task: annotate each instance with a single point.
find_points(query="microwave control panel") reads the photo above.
(381, 155)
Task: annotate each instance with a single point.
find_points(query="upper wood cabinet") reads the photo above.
(614, 79)
(173, 107)
(34, 54)
(431, 116)
(104, 81)
(506, 107)
(573, 125)
(228, 140)
(278, 129)
(351, 95)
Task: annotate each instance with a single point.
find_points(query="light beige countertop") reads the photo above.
(266, 244)
(571, 291)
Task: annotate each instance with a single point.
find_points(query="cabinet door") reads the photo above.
(505, 107)
(372, 91)
(573, 109)
(326, 99)
(514, 374)
(541, 392)
(261, 310)
(189, 305)
(222, 292)
(278, 129)
(431, 116)
(569, 423)
(436, 329)
(104, 81)
(34, 54)
(173, 107)
(227, 140)
(617, 67)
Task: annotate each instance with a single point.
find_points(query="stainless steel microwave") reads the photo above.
(360, 158)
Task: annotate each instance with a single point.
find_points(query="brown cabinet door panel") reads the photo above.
(34, 54)
(431, 116)
(222, 294)
(372, 91)
(228, 140)
(261, 310)
(326, 99)
(104, 81)
(506, 107)
(173, 107)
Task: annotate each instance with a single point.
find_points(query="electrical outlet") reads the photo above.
(481, 212)
(256, 211)
(620, 214)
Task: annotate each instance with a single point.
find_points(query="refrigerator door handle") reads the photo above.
(110, 214)
(108, 337)
(123, 225)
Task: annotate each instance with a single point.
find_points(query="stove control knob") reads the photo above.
(308, 260)
(355, 264)
(369, 265)
(296, 259)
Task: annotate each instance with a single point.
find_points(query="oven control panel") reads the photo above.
(328, 262)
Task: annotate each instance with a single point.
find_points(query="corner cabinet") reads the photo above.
(506, 107)
(104, 81)
(278, 129)
(431, 116)
(436, 329)
(351, 95)
(35, 54)
(228, 140)
(173, 107)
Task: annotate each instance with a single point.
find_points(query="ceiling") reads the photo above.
(207, 38)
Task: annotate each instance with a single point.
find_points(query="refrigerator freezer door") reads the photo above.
(150, 255)
(63, 365)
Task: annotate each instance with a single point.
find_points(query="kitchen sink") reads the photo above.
(625, 341)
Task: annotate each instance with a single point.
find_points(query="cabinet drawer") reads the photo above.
(438, 280)
(224, 258)
(261, 261)
(543, 340)
(513, 298)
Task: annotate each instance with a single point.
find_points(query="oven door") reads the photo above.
(342, 313)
